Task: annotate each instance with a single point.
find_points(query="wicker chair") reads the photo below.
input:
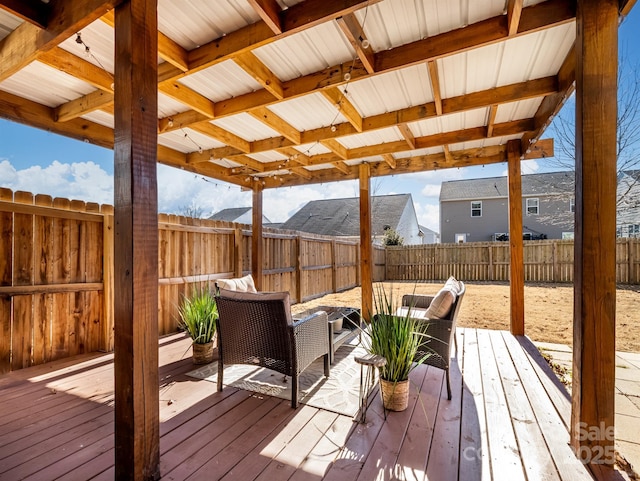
(257, 329)
(442, 332)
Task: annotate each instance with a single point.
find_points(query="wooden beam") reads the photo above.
(390, 160)
(336, 147)
(269, 12)
(83, 105)
(342, 167)
(366, 242)
(355, 35)
(32, 11)
(435, 85)
(188, 96)
(626, 6)
(346, 108)
(593, 393)
(266, 116)
(257, 250)
(514, 10)
(407, 134)
(66, 17)
(222, 135)
(260, 72)
(516, 248)
(137, 424)
(447, 154)
(491, 120)
(66, 62)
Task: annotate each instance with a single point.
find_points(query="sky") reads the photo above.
(40, 162)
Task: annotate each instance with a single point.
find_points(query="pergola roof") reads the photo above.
(440, 84)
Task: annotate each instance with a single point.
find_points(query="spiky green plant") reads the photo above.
(396, 338)
(198, 315)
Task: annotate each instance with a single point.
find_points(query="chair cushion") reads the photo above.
(441, 304)
(454, 285)
(241, 284)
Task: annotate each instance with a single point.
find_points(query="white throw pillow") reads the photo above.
(441, 304)
(242, 284)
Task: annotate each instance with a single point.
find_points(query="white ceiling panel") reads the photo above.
(391, 91)
(297, 112)
(306, 52)
(246, 126)
(100, 117)
(8, 23)
(99, 37)
(168, 107)
(192, 23)
(187, 140)
(60, 87)
(525, 109)
(221, 81)
(374, 137)
(449, 123)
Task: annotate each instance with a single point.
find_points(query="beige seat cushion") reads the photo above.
(241, 284)
(441, 304)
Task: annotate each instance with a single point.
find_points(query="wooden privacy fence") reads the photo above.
(56, 271)
(544, 261)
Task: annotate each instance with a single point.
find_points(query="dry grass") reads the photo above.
(548, 308)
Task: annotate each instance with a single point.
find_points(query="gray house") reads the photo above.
(241, 215)
(628, 220)
(341, 217)
(477, 210)
(429, 236)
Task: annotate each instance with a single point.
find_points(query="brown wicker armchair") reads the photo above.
(257, 329)
(441, 332)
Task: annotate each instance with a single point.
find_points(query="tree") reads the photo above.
(392, 238)
(628, 130)
(194, 211)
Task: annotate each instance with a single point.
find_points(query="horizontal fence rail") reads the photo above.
(56, 271)
(544, 261)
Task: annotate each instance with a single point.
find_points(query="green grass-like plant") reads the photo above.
(198, 315)
(397, 338)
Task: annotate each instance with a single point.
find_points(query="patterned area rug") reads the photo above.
(339, 393)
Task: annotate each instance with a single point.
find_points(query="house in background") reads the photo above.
(241, 215)
(628, 218)
(429, 236)
(341, 217)
(477, 210)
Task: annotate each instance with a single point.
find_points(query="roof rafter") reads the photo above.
(339, 99)
(66, 17)
(259, 71)
(269, 12)
(514, 10)
(32, 11)
(355, 35)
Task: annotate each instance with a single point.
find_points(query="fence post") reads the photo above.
(107, 277)
(298, 245)
(237, 252)
(490, 262)
(334, 267)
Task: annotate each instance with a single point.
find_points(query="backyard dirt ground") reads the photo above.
(548, 308)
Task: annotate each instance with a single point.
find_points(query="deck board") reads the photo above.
(504, 416)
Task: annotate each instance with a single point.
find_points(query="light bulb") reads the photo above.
(347, 76)
(199, 150)
(365, 44)
(113, 86)
(170, 123)
(333, 128)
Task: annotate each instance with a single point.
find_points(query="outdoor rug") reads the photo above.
(339, 393)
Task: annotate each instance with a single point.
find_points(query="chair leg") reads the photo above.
(327, 365)
(455, 341)
(220, 370)
(294, 391)
(448, 384)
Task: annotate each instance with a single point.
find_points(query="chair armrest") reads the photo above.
(417, 300)
(311, 335)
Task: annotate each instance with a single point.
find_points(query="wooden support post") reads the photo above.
(592, 401)
(137, 427)
(238, 251)
(516, 248)
(366, 246)
(257, 253)
(106, 341)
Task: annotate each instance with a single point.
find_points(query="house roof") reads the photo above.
(341, 217)
(404, 86)
(230, 214)
(426, 230)
(498, 187)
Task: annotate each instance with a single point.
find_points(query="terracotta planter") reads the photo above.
(203, 353)
(395, 395)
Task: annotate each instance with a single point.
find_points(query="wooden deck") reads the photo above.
(507, 420)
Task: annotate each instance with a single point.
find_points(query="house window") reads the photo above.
(572, 205)
(634, 230)
(476, 208)
(532, 206)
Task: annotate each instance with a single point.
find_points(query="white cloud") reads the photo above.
(428, 214)
(431, 190)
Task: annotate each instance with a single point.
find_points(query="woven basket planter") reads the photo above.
(395, 395)
(203, 353)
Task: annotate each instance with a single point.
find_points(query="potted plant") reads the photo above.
(198, 316)
(397, 339)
